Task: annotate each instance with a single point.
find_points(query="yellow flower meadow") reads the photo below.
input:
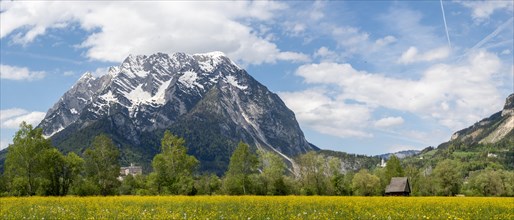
(255, 207)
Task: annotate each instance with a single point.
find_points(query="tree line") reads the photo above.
(34, 167)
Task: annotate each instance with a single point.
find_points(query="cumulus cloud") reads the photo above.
(117, 29)
(19, 73)
(389, 122)
(412, 55)
(455, 95)
(327, 55)
(12, 118)
(352, 39)
(483, 9)
(317, 110)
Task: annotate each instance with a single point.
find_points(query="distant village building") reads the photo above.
(130, 170)
(399, 186)
(382, 163)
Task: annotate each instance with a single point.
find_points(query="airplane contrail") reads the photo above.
(445, 26)
(487, 38)
(493, 34)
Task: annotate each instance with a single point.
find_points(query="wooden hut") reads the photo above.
(399, 186)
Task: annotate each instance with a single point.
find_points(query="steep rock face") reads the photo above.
(70, 106)
(205, 98)
(490, 130)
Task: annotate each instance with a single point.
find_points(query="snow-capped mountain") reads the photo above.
(206, 98)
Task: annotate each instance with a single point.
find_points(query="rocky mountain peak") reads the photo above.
(86, 77)
(508, 108)
(204, 97)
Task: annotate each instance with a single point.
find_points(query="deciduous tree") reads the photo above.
(448, 178)
(487, 182)
(312, 177)
(173, 167)
(273, 170)
(365, 184)
(23, 164)
(243, 164)
(393, 168)
(101, 164)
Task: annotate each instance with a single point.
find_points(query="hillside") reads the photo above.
(352, 162)
(487, 143)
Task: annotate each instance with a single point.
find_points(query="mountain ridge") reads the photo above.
(492, 129)
(202, 97)
(487, 143)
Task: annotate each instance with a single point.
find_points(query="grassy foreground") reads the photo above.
(255, 207)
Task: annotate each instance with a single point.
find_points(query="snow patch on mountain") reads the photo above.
(212, 60)
(86, 76)
(206, 66)
(109, 97)
(55, 132)
(233, 81)
(132, 66)
(138, 96)
(160, 95)
(189, 79)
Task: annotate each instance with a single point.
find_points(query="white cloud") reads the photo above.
(389, 122)
(409, 28)
(327, 55)
(121, 28)
(292, 56)
(404, 27)
(295, 28)
(316, 110)
(12, 118)
(100, 71)
(455, 96)
(411, 55)
(505, 52)
(483, 9)
(19, 73)
(316, 13)
(68, 73)
(398, 148)
(385, 41)
(352, 39)
(9, 113)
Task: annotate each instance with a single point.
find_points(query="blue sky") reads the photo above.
(363, 77)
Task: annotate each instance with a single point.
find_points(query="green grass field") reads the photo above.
(255, 207)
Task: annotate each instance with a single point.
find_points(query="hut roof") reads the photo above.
(398, 184)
